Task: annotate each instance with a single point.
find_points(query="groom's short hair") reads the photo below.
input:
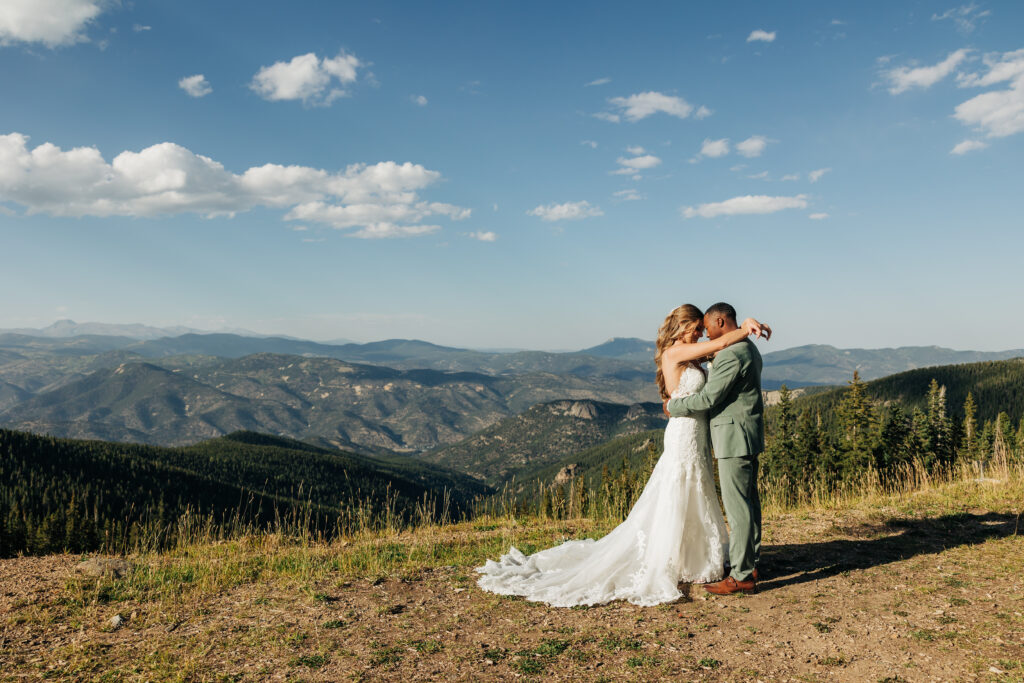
(722, 309)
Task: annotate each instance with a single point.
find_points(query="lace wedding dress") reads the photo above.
(674, 533)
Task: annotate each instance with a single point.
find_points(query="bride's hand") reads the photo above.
(758, 329)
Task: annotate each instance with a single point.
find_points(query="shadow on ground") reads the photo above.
(891, 541)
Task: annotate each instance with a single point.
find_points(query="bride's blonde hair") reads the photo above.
(680, 322)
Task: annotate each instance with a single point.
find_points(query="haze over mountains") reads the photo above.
(386, 396)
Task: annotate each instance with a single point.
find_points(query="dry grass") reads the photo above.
(910, 582)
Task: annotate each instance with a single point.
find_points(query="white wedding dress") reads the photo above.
(674, 533)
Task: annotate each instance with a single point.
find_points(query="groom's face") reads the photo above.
(713, 326)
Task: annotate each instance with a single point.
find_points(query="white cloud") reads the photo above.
(1001, 67)
(965, 17)
(589, 143)
(165, 179)
(483, 236)
(746, 205)
(818, 216)
(195, 86)
(752, 146)
(630, 166)
(816, 175)
(570, 211)
(419, 99)
(50, 22)
(837, 22)
(307, 78)
(607, 116)
(702, 112)
(629, 195)
(903, 78)
(997, 113)
(636, 150)
(715, 148)
(597, 81)
(641, 162)
(641, 105)
(139, 28)
(761, 35)
(967, 146)
(763, 175)
(385, 230)
(790, 176)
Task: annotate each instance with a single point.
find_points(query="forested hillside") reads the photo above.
(547, 433)
(935, 416)
(81, 495)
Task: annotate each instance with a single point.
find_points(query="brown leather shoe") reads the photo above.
(729, 585)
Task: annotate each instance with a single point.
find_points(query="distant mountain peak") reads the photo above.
(623, 348)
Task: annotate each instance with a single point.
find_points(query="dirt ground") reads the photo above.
(871, 596)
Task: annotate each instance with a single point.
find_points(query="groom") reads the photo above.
(732, 395)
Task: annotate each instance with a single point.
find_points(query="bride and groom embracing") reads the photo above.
(675, 533)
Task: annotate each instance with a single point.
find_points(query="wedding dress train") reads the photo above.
(674, 533)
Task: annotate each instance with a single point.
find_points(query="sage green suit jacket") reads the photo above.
(732, 397)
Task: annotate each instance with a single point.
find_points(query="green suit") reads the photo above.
(732, 398)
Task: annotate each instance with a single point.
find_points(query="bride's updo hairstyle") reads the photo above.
(681, 322)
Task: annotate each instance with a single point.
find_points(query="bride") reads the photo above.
(675, 531)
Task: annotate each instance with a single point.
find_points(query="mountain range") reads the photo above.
(387, 396)
(69, 328)
(373, 408)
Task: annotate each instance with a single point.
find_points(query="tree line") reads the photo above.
(857, 430)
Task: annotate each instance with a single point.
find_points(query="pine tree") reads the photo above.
(970, 443)
(986, 441)
(939, 426)
(857, 418)
(894, 439)
(806, 447)
(1005, 437)
(919, 440)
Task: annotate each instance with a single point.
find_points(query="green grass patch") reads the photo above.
(537, 660)
(427, 646)
(311, 661)
(386, 656)
(614, 643)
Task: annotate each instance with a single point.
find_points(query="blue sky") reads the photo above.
(524, 174)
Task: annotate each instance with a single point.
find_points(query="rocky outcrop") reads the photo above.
(644, 446)
(636, 412)
(584, 410)
(566, 474)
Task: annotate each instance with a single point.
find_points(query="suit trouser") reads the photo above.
(738, 478)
